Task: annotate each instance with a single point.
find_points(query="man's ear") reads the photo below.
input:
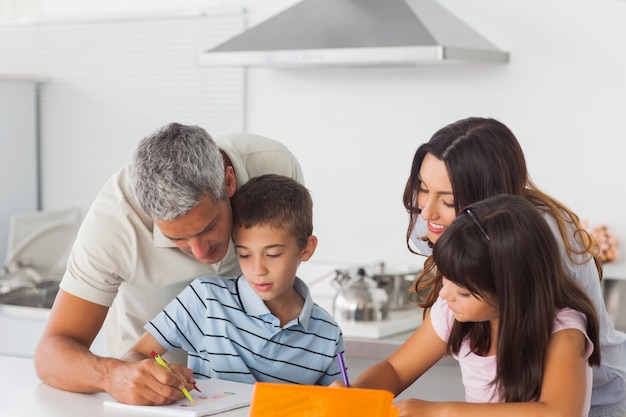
(309, 248)
(231, 181)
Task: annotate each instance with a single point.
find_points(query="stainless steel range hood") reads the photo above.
(356, 33)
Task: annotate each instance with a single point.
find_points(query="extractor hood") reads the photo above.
(356, 33)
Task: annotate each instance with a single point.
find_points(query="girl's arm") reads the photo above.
(563, 390)
(396, 373)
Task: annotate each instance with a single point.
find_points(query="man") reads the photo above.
(156, 225)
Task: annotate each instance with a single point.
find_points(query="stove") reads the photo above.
(319, 277)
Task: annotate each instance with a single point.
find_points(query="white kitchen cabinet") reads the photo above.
(19, 171)
(21, 329)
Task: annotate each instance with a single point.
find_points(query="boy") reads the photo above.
(261, 326)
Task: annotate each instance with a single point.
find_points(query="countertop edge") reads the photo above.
(379, 349)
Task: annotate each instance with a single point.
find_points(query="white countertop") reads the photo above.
(36, 78)
(615, 270)
(24, 395)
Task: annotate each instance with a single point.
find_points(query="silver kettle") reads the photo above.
(359, 298)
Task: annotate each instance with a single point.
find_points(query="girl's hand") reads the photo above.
(414, 407)
(337, 384)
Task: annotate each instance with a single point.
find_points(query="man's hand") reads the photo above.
(145, 382)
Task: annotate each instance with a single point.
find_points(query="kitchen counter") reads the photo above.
(377, 349)
(37, 78)
(26, 324)
(380, 348)
(21, 328)
(615, 270)
(440, 383)
(24, 395)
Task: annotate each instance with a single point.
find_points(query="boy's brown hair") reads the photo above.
(276, 201)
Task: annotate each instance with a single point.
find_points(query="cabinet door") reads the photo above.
(19, 171)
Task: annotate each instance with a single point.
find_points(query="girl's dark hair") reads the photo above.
(519, 269)
(484, 158)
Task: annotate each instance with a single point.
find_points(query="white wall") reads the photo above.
(355, 130)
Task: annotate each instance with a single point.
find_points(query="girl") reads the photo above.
(476, 158)
(522, 330)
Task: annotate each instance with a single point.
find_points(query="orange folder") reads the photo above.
(289, 400)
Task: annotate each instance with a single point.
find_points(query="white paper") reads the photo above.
(216, 396)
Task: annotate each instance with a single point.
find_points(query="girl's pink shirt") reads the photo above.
(478, 371)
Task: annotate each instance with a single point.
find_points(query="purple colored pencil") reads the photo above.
(344, 370)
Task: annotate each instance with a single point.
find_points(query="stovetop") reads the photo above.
(399, 321)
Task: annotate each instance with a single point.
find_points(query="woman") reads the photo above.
(476, 158)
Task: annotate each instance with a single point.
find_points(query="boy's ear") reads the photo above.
(309, 248)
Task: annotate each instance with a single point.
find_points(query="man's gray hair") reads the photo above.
(174, 168)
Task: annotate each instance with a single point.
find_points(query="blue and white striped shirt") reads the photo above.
(229, 333)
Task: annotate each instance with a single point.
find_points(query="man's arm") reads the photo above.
(62, 356)
(63, 359)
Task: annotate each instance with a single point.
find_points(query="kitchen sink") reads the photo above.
(38, 295)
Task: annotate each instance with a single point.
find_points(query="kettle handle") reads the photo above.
(340, 279)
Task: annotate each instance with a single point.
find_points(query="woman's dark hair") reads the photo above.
(484, 158)
(504, 251)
